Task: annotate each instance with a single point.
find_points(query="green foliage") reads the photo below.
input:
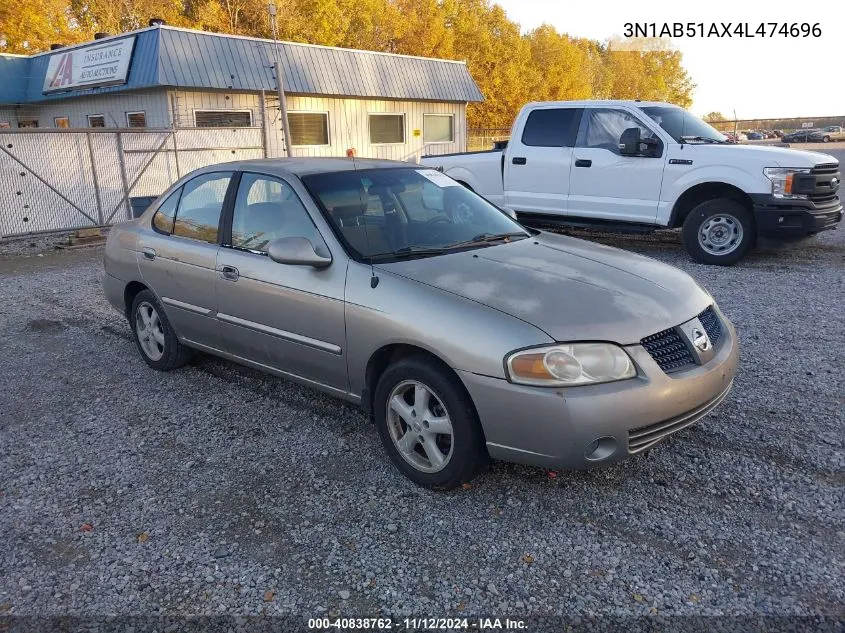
(510, 68)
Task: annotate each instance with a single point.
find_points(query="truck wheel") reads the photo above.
(826, 139)
(718, 232)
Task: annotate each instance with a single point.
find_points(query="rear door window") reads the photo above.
(551, 127)
(198, 216)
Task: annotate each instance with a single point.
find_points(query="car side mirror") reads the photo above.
(298, 251)
(629, 142)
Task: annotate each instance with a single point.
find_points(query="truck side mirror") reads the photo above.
(629, 142)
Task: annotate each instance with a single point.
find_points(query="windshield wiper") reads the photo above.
(408, 251)
(705, 139)
(486, 238)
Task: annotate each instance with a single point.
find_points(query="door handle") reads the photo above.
(519, 160)
(583, 162)
(229, 272)
(149, 253)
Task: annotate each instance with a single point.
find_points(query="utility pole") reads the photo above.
(280, 80)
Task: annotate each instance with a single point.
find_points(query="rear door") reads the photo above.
(177, 258)
(288, 317)
(537, 164)
(604, 184)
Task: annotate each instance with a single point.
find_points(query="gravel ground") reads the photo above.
(218, 490)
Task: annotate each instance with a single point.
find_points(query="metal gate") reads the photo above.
(56, 180)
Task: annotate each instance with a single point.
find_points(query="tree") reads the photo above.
(713, 117)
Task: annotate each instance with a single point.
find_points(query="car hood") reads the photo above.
(569, 288)
(766, 155)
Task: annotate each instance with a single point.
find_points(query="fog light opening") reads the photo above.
(600, 448)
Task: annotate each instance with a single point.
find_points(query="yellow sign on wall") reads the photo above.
(417, 132)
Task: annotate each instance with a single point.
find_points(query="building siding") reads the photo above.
(348, 121)
(112, 106)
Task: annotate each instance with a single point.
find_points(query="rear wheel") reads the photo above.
(154, 336)
(826, 139)
(428, 424)
(718, 232)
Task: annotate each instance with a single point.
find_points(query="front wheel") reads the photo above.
(718, 232)
(428, 424)
(826, 139)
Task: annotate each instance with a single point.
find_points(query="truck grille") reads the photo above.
(668, 349)
(824, 172)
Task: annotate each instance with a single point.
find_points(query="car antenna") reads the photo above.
(350, 153)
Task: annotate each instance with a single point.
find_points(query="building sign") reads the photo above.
(810, 124)
(105, 64)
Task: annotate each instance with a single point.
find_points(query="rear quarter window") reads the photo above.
(166, 213)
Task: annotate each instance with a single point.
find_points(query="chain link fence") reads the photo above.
(479, 139)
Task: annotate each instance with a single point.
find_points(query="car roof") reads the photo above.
(604, 102)
(305, 166)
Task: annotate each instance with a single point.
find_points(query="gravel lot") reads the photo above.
(217, 490)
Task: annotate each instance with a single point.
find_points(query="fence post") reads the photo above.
(96, 181)
(176, 156)
(121, 160)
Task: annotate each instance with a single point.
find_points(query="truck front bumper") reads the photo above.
(780, 218)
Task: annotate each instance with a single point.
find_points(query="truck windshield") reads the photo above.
(683, 126)
(400, 213)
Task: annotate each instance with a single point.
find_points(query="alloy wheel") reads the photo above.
(149, 331)
(419, 426)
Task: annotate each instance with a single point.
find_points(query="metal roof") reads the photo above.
(183, 58)
(13, 75)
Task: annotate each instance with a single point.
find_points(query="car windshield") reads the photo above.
(396, 213)
(683, 126)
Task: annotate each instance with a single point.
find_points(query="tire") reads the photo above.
(826, 139)
(464, 453)
(157, 342)
(718, 232)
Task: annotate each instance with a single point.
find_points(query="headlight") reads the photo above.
(781, 178)
(569, 364)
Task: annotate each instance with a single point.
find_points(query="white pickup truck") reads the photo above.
(631, 165)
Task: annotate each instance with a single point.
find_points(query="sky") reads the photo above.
(759, 77)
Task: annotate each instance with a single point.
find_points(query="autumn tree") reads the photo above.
(712, 117)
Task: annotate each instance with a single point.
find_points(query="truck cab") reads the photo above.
(633, 165)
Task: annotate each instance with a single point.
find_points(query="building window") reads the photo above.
(438, 128)
(28, 123)
(136, 119)
(222, 118)
(96, 120)
(61, 122)
(387, 128)
(309, 128)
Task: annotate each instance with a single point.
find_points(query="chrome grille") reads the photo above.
(711, 324)
(668, 350)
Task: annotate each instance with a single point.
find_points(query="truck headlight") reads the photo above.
(781, 178)
(569, 364)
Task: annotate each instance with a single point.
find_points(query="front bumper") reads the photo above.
(558, 427)
(794, 218)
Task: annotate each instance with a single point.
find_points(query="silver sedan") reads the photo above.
(463, 335)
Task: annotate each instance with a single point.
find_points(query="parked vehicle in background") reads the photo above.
(798, 136)
(755, 136)
(462, 334)
(828, 134)
(630, 165)
(777, 133)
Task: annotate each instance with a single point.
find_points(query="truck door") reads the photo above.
(537, 164)
(603, 184)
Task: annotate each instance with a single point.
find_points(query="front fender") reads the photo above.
(743, 179)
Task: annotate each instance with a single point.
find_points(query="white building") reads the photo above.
(382, 105)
